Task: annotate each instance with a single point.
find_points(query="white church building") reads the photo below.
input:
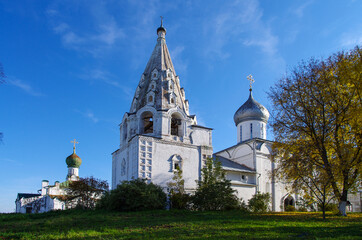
(50, 197)
(158, 134)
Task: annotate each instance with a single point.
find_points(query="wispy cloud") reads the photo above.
(26, 87)
(351, 39)
(241, 21)
(11, 161)
(178, 60)
(107, 78)
(89, 115)
(299, 11)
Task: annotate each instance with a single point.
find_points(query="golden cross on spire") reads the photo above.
(251, 80)
(74, 142)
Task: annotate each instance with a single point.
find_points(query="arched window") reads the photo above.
(150, 99)
(262, 130)
(176, 128)
(176, 162)
(147, 122)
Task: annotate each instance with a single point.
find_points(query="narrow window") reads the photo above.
(241, 133)
(262, 130)
(172, 101)
(154, 75)
(125, 131)
(150, 99)
(175, 125)
(147, 120)
(251, 130)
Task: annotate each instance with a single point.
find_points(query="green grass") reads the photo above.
(77, 224)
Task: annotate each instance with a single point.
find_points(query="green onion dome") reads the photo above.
(73, 160)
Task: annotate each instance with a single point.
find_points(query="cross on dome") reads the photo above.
(74, 142)
(251, 80)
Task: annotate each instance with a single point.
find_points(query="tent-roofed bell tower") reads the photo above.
(159, 119)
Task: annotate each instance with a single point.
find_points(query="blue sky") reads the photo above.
(72, 68)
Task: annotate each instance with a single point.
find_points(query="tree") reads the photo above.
(134, 195)
(317, 116)
(179, 199)
(214, 191)
(86, 192)
(307, 179)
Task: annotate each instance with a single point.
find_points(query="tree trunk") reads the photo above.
(342, 208)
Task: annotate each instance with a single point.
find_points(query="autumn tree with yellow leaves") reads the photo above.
(317, 123)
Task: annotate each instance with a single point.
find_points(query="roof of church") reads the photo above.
(73, 160)
(27, 195)
(251, 110)
(159, 85)
(233, 166)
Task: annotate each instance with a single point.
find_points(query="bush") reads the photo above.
(178, 198)
(259, 203)
(330, 207)
(134, 195)
(290, 208)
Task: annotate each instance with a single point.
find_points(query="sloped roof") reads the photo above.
(27, 195)
(233, 166)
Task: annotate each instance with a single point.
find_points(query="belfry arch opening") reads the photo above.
(147, 122)
(176, 125)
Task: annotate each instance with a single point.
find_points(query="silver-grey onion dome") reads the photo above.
(251, 110)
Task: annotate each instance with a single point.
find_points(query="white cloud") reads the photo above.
(351, 39)
(107, 78)
(24, 86)
(88, 114)
(299, 11)
(178, 62)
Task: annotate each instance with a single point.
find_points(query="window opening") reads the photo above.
(241, 133)
(262, 130)
(148, 123)
(150, 99)
(175, 126)
(172, 101)
(251, 130)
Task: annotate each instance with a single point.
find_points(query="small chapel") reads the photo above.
(50, 197)
(158, 135)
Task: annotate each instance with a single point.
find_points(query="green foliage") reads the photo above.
(330, 207)
(85, 192)
(178, 198)
(290, 208)
(317, 109)
(259, 203)
(162, 224)
(134, 195)
(214, 191)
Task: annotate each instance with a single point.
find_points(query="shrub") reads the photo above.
(134, 195)
(259, 203)
(330, 207)
(290, 208)
(178, 198)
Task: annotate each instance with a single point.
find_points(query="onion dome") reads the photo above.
(73, 160)
(251, 110)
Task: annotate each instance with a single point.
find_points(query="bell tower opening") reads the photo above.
(176, 127)
(147, 122)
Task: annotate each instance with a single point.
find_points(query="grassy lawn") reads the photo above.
(77, 224)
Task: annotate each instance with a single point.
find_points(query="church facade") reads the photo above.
(158, 134)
